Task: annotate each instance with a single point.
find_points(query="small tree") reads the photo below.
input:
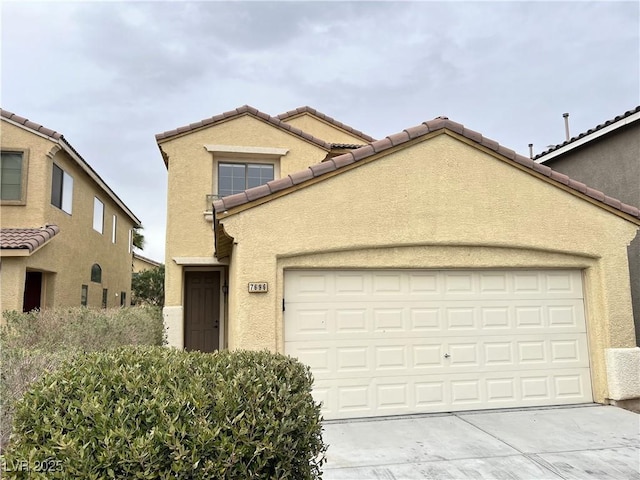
(148, 286)
(138, 237)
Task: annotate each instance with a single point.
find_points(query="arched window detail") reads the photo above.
(96, 273)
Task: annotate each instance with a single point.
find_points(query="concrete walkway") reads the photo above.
(582, 442)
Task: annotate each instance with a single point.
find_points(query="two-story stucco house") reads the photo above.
(432, 270)
(66, 237)
(607, 157)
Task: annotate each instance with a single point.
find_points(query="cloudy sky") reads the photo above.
(110, 75)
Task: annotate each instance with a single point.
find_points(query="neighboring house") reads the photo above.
(607, 157)
(65, 236)
(433, 270)
(140, 263)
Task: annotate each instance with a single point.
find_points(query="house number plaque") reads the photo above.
(258, 287)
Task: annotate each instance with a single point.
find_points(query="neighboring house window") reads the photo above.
(98, 215)
(84, 294)
(61, 189)
(105, 294)
(113, 229)
(123, 299)
(237, 177)
(96, 273)
(13, 175)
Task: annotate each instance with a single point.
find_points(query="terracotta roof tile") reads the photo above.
(301, 176)
(347, 145)
(589, 132)
(31, 125)
(245, 109)
(326, 118)
(440, 123)
(27, 238)
(344, 160)
(321, 168)
(258, 192)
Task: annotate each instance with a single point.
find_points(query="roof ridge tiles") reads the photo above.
(411, 133)
(240, 111)
(326, 118)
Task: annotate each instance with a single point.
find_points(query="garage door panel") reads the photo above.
(349, 398)
(393, 342)
(346, 286)
(377, 319)
(384, 357)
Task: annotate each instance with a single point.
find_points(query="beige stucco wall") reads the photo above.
(68, 257)
(324, 130)
(438, 204)
(140, 264)
(192, 176)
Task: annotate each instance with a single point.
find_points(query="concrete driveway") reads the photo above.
(580, 442)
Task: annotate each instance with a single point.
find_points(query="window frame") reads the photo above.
(66, 191)
(96, 202)
(242, 160)
(105, 297)
(23, 175)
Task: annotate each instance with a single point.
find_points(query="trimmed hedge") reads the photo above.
(153, 412)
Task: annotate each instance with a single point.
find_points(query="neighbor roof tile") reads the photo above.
(27, 238)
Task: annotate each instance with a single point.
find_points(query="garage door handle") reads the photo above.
(446, 355)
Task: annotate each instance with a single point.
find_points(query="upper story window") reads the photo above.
(13, 177)
(61, 189)
(237, 177)
(114, 226)
(98, 215)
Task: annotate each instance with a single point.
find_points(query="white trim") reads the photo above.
(247, 150)
(588, 138)
(195, 261)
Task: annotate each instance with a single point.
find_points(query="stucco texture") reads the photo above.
(192, 175)
(440, 203)
(66, 259)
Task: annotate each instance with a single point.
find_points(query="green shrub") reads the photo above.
(35, 342)
(151, 412)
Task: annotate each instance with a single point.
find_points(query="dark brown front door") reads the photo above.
(32, 291)
(202, 311)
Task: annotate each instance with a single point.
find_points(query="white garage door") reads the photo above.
(390, 342)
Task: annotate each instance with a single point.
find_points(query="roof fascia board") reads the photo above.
(16, 252)
(589, 138)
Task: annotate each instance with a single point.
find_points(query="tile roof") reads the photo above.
(347, 145)
(30, 125)
(27, 238)
(245, 109)
(59, 138)
(407, 135)
(589, 132)
(326, 118)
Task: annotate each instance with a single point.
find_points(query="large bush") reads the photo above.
(154, 413)
(35, 342)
